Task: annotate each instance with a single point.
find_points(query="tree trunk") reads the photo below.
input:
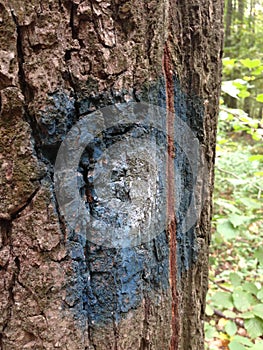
(241, 10)
(228, 21)
(61, 61)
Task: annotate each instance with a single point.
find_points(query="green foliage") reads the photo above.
(235, 299)
(234, 310)
(259, 98)
(234, 345)
(244, 29)
(242, 88)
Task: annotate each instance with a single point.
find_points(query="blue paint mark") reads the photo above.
(108, 282)
(54, 123)
(190, 109)
(104, 283)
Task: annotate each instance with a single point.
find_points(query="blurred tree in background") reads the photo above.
(243, 62)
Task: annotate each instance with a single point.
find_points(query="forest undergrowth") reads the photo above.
(234, 310)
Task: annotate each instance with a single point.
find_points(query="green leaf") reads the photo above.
(228, 62)
(258, 157)
(258, 346)
(259, 254)
(242, 340)
(234, 345)
(244, 94)
(258, 310)
(237, 112)
(210, 331)
(245, 119)
(254, 327)
(258, 70)
(227, 230)
(247, 315)
(209, 310)
(250, 203)
(230, 328)
(248, 63)
(227, 205)
(248, 78)
(259, 98)
(235, 279)
(250, 287)
(223, 299)
(240, 83)
(222, 141)
(256, 136)
(237, 220)
(228, 88)
(230, 314)
(241, 299)
(260, 295)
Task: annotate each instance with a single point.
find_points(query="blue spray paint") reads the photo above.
(190, 110)
(105, 283)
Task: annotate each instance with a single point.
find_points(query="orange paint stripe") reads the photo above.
(168, 73)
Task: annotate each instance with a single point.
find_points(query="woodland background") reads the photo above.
(234, 311)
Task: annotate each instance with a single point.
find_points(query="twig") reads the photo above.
(221, 287)
(239, 323)
(228, 172)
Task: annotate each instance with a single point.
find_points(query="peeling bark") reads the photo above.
(60, 61)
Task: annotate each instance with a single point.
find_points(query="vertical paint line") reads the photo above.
(171, 225)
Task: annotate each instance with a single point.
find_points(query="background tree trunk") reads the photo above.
(241, 10)
(61, 60)
(228, 20)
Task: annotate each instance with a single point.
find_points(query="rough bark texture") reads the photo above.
(61, 60)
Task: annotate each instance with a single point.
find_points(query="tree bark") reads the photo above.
(60, 61)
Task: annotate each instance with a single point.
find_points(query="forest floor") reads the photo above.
(234, 311)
